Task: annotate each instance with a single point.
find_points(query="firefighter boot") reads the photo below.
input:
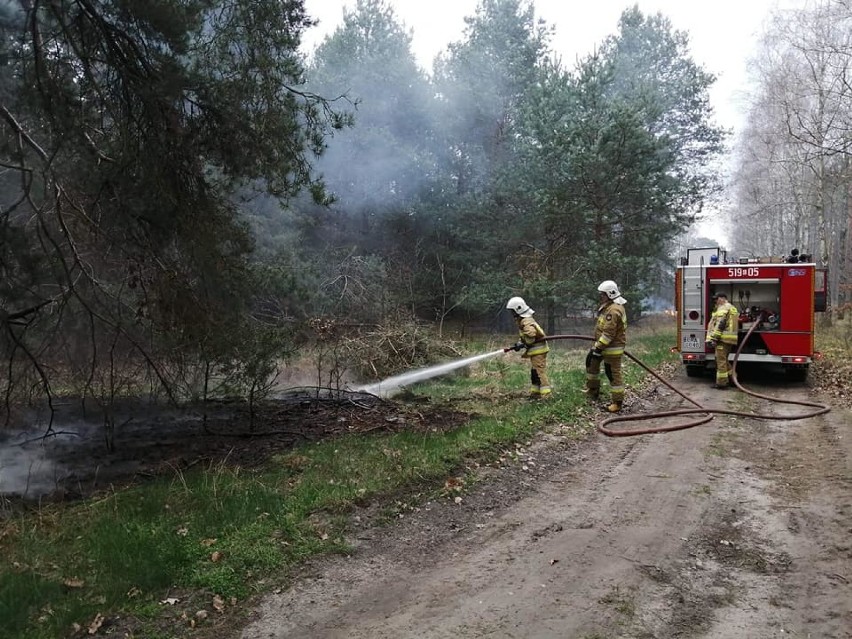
(592, 394)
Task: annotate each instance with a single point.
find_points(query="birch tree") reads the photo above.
(794, 156)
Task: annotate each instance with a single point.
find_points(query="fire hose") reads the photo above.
(707, 413)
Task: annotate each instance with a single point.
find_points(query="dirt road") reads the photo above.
(740, 528)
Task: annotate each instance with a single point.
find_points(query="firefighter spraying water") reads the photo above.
(531, 340)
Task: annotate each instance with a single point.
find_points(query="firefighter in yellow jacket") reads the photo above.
(610, 340)
(722, 337)
(536, 351)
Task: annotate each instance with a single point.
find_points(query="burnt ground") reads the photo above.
(72, 459)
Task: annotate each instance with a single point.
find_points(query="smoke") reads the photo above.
(656, 304)
(12, 15)
(25, 467)
(380, 164)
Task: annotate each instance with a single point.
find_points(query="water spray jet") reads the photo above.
(392, 385)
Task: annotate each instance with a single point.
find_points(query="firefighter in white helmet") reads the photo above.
(722, 337)
(534, 346)
(608, 348)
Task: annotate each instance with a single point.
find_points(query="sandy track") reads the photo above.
(740, 528)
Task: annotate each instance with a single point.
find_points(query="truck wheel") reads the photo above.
(796, 374)
(694, 371)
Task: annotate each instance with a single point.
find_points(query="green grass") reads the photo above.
(124, 552)
(126, 549)
(484, 390)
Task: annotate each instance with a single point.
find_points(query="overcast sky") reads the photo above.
(723, 33)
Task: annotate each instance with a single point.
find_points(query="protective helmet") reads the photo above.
(518, 305)
(610, 288)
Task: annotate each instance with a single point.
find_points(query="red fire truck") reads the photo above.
(780, 294)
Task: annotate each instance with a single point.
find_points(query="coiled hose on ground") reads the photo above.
(708, 413)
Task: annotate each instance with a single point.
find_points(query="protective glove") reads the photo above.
(712, 343)
(518, 346)
(596, 353)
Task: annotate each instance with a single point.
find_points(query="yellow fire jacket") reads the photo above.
(611, 329)
(724, 324)
(530, 331)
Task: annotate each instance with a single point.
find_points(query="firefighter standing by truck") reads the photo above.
(722, 337)
(610, 340)
(536, 348)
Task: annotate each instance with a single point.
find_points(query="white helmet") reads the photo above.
(611, 289)
(518, 305)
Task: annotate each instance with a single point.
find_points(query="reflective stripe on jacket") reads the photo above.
(530, 331)
(724, 324)
(611, 329)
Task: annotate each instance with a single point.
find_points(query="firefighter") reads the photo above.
(722, 337)
(535, 347)
(610, 340)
